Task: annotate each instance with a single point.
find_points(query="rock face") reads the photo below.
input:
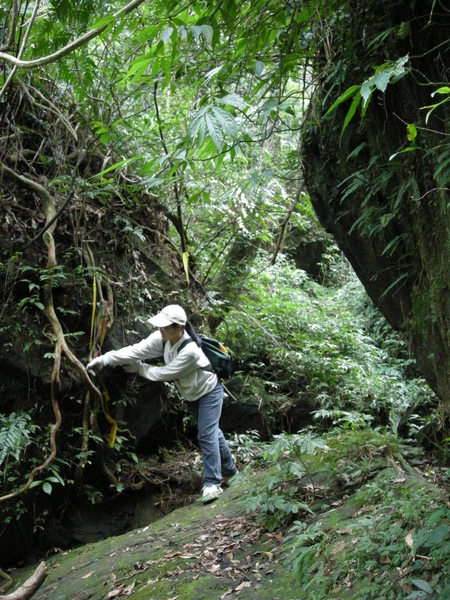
(153, 428)
(389, 211)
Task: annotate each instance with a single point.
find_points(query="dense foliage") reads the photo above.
(152, 150)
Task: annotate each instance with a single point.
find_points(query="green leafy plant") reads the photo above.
(387, 525)
(280, 501)
(389, 72)
(330, 341)
(244, 446)
(16, 431)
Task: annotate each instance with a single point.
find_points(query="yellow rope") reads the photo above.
(105, 395)
(113, 431)
(94, 303)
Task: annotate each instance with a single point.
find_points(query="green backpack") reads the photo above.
(219, 357)
(221, 361)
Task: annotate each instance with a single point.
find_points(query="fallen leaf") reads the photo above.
(114, 593)
(129, 589)
(338, 548)
(409, 540)
(214, 568)
(88, 575)
(243, 585)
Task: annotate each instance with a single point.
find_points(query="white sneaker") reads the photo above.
(211, 493)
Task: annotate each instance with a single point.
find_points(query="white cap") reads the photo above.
(168, 316)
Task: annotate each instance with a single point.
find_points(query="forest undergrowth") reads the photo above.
(362, 492)
(359, 495)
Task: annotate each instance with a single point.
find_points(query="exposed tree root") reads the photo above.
(31, 585)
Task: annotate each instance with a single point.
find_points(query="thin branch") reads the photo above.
(87, 37)
(51, 108)
(62, 207)
(22, 47)
(33, 185)
(178, 220)
(12, 30)
(285, 222)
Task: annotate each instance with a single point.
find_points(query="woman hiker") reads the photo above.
(187, 366)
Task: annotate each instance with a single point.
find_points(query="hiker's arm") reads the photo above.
(151, 347)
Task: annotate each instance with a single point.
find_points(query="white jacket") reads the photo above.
(184, 369)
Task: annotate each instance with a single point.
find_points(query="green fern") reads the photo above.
(15, 434)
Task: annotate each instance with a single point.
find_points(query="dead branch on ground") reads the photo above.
(31, 585)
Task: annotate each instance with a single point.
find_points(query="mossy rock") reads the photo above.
(199, 551)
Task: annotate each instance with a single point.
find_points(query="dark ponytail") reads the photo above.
(192, 333)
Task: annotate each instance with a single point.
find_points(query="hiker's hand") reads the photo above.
(133, 367)
(96, 365)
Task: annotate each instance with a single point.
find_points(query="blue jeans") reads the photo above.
(216, 455)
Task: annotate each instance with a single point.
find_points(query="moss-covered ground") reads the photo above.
(379, 530)
(199, 551)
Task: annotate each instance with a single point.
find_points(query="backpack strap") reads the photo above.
(181, 346)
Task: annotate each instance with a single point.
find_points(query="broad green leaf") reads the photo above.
(381, 80)
(226, 121)
(259, 67)
(103, 22)
(207, 32)
(165, 35)
(196, 31)
(441, 90)
(156, 65)
(436, 536)
(47, 487)
(138, 65)
(202, 131)
(267, 107)
(437, 515)
(423, 585)
(213, 72)
(366, 90)
(149, 33)
(182, 32)
(118, 30)
(232, 100)
(214, 131)
(196, 122)
(165, 65)
(403, 30)
(411, 132)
